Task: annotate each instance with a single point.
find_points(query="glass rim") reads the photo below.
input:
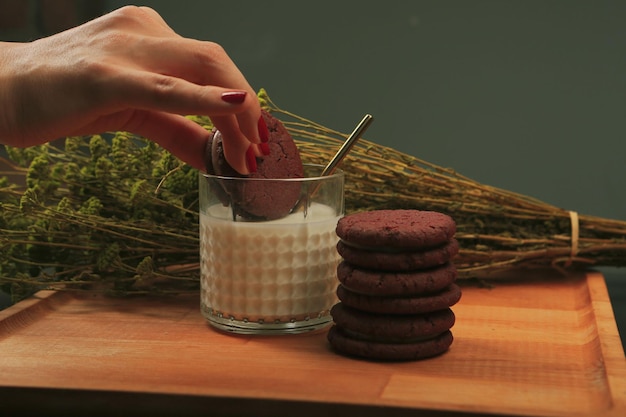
(336, 174)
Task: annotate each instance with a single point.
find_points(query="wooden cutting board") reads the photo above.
(530, 346)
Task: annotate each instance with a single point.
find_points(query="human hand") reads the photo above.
(128, 71)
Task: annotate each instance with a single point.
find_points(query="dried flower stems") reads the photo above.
(120, 213)
(497, 229)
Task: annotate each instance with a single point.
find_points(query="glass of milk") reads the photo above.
(270, 276)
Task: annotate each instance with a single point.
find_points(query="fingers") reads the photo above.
(218, 69)
(206, 64)
(187, 140)
(158, 93)
(237, 147)
(184, 76)
(150, 91)
(127, 69)
(182, 137)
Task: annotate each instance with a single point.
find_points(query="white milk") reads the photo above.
(268, 272)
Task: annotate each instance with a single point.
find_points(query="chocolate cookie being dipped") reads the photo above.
(262, 200)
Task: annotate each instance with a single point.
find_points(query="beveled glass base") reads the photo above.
(261, 327)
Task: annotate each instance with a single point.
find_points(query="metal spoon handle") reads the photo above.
(347, 145)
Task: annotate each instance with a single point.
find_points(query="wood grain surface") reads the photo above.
(534, 345)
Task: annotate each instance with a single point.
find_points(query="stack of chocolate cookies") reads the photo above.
(397, 284)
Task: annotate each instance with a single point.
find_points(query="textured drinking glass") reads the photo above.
(270, 276)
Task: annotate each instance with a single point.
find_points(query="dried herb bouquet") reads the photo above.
(118, 213)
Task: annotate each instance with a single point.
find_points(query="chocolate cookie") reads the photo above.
(399, 260)
(262, 200)
(386, 283)
(401, 305)
(392, 327)
(207, 158)
(342, 342)
(400, 229)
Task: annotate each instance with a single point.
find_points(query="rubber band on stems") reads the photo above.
(575, 231)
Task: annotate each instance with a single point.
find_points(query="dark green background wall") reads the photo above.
(524, 95)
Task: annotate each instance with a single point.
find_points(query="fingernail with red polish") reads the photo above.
(234, 97)
(264, 134)
(265, 148)
(251, 159)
